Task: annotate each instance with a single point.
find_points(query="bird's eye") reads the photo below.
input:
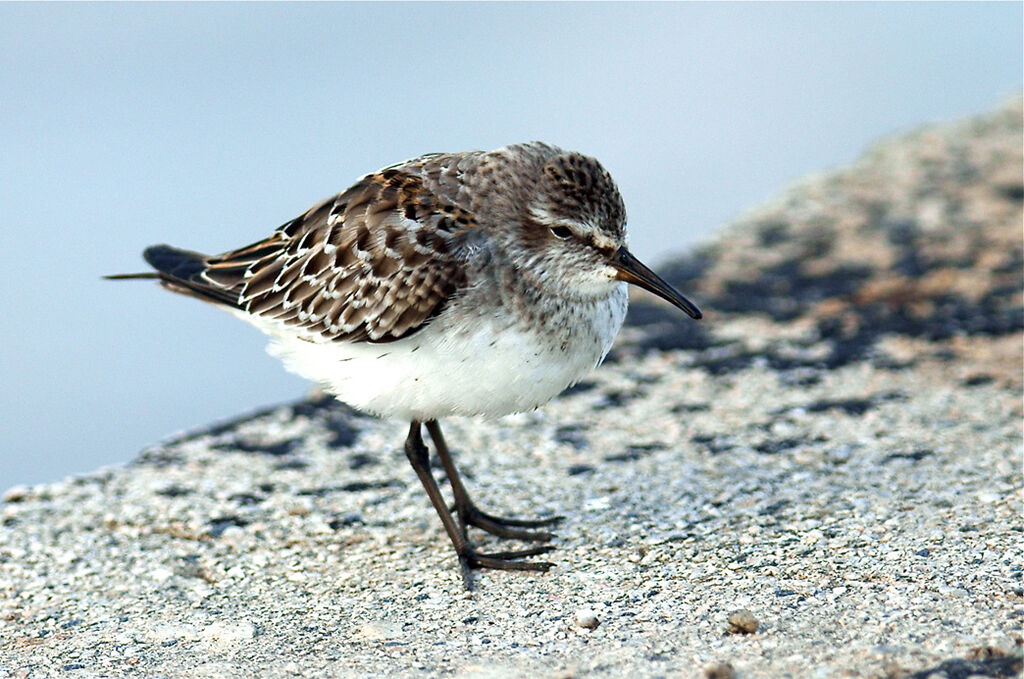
(561, 232)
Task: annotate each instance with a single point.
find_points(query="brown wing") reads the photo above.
(374, 263)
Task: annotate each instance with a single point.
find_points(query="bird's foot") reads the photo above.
(470, 560)
(513, 529)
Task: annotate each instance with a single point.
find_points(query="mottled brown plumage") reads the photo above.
(373, 263)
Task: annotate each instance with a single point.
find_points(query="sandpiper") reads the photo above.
(477, 283)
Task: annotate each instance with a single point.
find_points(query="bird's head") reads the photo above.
(574, 238)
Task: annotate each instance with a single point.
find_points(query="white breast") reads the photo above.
(487, 365)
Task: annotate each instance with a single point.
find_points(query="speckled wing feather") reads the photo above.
(374, 263)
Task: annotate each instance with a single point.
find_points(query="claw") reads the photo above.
(506, 561)
(522, 523)
(519, 553)
(505, 528)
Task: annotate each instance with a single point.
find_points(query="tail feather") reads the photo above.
(182, 271)
(178, 264)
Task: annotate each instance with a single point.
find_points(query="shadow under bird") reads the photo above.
(478, 283)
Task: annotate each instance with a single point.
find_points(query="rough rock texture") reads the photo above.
(834, 453)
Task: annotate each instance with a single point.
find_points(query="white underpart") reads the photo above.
(487, 366)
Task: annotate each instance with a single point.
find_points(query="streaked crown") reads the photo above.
(576, 189)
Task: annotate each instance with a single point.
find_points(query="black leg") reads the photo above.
(468, 512)
(469, 558)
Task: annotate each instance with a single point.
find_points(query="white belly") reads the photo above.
(487, 367)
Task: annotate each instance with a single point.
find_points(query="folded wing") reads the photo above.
(374, 264)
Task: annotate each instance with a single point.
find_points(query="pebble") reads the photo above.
(164, 632)
(229, 633)
(161, 574)
(742, 621)
(719, 670)
(379, 631)
(16, 493)
(587, 618)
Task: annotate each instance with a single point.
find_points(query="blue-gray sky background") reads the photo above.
(208, 125)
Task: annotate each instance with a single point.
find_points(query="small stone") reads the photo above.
(230, 633)
(162, 633)
(742, 622)
(161, 574)
(839, 454)
(811, 537)
(16, 494)
(719, 670)
(587, 618)
(986, 653)
(892, 670)
(379, 631)
(232, 533)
